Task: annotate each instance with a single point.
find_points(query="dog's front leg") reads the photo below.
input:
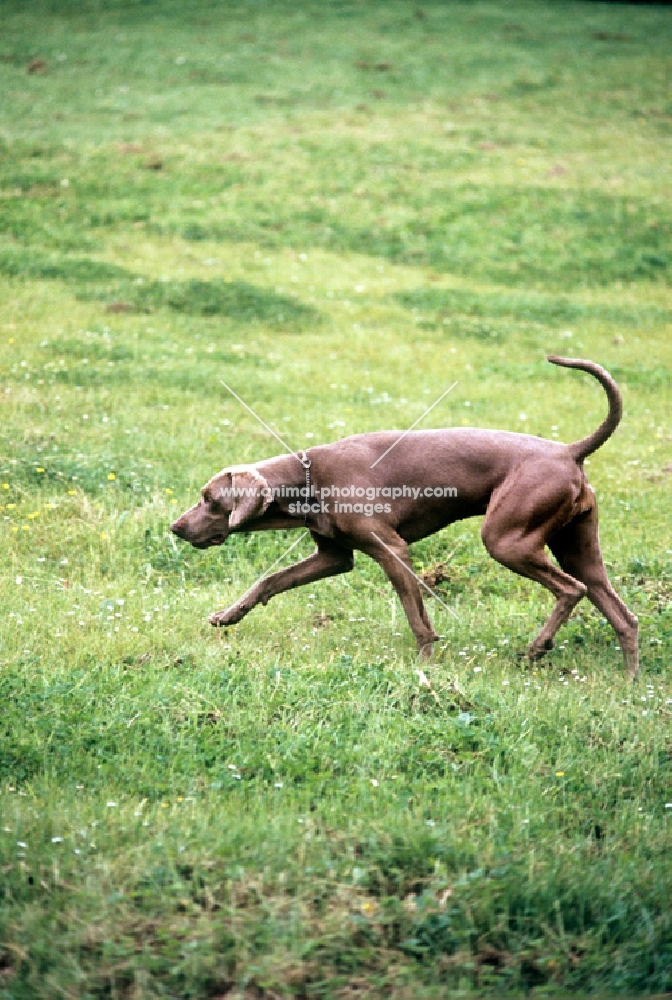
(330, 559)
(391, 553)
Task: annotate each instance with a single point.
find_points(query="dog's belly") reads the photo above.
(438, 514)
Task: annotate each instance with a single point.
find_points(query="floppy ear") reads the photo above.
(251, 494)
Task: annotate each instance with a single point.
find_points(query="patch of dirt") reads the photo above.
(435, 575)
(322, 619)
(493, 957)
(611, 36)
(119, 307)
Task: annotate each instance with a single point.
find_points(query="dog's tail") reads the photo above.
(586, 446)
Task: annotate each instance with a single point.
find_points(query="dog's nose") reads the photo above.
(177, 528)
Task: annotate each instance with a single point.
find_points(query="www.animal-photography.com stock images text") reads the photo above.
(335, 618)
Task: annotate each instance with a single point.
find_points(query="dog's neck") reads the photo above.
(286, 476)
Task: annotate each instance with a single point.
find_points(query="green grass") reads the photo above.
(339, 209)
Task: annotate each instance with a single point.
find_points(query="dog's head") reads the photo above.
(231, 498)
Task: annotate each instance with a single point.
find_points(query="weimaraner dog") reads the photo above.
(531, 492)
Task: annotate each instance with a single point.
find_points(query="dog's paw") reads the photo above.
(230, 616)
(537, 650)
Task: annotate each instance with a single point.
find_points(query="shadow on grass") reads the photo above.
(124, 291)
(440, 304)
(562, 238)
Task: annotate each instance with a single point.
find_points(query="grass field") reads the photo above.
(339, 208)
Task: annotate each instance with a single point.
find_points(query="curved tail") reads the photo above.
(586, 446)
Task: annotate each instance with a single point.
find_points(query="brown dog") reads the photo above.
(532, 492)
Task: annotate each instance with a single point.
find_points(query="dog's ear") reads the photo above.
(251, 494)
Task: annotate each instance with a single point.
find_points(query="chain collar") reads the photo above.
(306, 463)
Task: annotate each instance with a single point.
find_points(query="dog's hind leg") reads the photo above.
(515, 531)
(577, 549)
